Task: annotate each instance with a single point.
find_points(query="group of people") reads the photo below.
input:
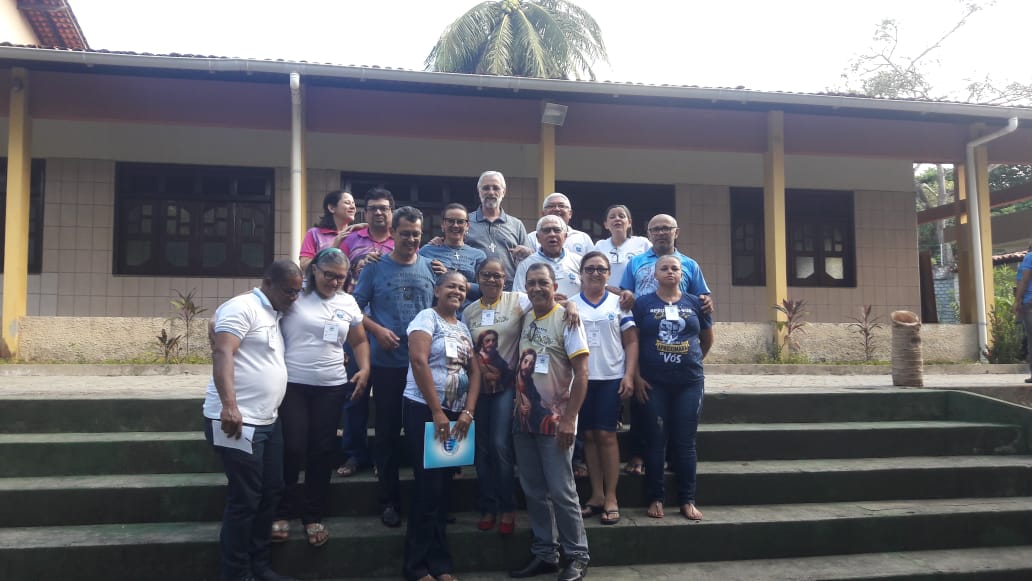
(536, 339)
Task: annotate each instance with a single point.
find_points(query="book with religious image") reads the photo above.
(451, 452)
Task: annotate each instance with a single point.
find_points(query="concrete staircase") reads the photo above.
(842, 484)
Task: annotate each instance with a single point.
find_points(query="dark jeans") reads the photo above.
(636, 435)
(672, 417)
(254, 490)
(426, 543)
(388, 386)
(495, 460)
(310, 415)
(355, 443)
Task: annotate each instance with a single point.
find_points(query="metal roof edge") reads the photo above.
(555, 86)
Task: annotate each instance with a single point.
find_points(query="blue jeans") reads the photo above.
(552, 504)
(355, 442)
(672, 417)
(495, 474)
(252, 495)
(426, 541)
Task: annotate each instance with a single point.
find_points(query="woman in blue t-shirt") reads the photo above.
(674, 337)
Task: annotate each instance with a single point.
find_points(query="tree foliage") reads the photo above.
(551, 39)
(885, 71)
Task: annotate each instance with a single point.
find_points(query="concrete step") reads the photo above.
(360, 547)
(81, 500)
(174, 452)
(169, 415)
(997, 563)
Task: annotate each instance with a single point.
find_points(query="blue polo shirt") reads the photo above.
(640, 275)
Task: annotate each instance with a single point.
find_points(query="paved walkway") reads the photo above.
(193, 384)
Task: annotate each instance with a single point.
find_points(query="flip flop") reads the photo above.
(691, 513)
(280, 531)
(317, 534)
(634, 469)
(608, 518)
(591, 510)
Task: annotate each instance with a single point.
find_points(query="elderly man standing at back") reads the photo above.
(248, 382)
(498, 234)
(553, 252)
(576, 241)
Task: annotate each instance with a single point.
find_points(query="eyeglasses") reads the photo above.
(596, 269)
(333, 276)
(557, 207)
(375, 209)
(552, 230)
(491, 188)
(662, 229)
(492, 275)
(456, 221)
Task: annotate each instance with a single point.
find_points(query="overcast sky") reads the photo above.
(790, 45)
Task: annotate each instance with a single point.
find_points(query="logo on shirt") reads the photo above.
(339, 314)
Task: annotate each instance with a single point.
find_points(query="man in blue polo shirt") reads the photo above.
(639, 277)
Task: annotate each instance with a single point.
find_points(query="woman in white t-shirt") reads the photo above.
(612, 365)
(442, 387)
(314, 332)
(621, 246)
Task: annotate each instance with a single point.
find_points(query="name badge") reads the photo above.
(671, 313)
(541, 365)
(451, 348)
(594, 335)
(331, 333)
(487, 317)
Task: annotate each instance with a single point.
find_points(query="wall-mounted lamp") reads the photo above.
(554, 114)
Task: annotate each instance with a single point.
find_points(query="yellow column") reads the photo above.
(546, 163)
(16, 239)
(776, 258)
(965, 270)
(981, 178)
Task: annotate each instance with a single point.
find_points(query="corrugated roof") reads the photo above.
(743, 88)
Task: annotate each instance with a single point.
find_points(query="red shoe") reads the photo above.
(506, 528)
(487, 522)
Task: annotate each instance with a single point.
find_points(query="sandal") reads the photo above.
(349, 468)
(634, 468)
(610, 517)
(655, 509)
(689, 512)
(580, 471)
(280, 531)
(590, 510)
(1028, 380)
(317, 534)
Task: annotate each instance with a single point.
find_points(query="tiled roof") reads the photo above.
(1009, 258)
(54, 23)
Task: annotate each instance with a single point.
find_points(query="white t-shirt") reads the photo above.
(604, 324)
(620, 256)
(576, 241)
(315, 330)
(566, 267)
(259, 371)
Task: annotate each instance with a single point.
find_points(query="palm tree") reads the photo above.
(552, 39)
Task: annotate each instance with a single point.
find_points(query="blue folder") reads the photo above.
(448, 454)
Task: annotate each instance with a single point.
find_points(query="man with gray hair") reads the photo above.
(498, 234)
(566, 264)
(559, 205)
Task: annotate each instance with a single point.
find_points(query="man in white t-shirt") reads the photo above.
(576, 241)
(249, 378)
(564, 262)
